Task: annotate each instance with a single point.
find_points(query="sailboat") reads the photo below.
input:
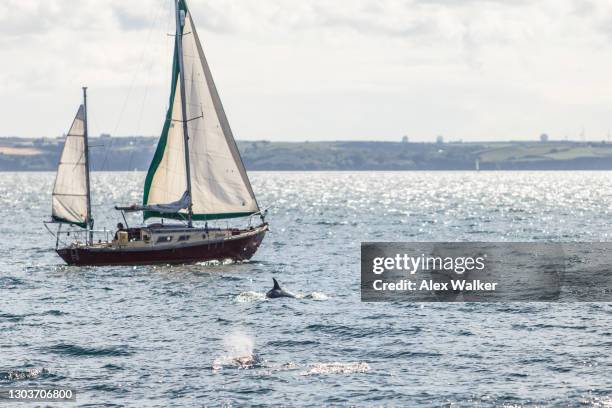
(196, 174)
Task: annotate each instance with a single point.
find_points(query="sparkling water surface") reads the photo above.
(205, 334)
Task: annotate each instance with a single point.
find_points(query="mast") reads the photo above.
(89, 220)
(180, 21)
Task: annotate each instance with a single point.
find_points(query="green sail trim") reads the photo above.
(63, 221)
(161, 146)
(197, 217)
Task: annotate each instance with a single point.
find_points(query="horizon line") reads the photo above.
(397, 141)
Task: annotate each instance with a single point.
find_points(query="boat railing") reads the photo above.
(80, 236)
(261, 214)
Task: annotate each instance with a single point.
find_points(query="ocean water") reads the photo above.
(198, 335)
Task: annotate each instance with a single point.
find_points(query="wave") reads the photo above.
(11, 317)
(113, 367)
(53, 313)
(217, 262)
(10, 282)
(292, 343)
(19, 375)
(405, 354)
(78, 351)
(337, 368)
(331, 223)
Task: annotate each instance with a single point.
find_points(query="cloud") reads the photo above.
(130, 20)
(425, 66)
(463, 3)
(22, 18)
(584, 8)
(367, 20)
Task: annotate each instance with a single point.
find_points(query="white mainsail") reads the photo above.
(220, 187)
(70, 188)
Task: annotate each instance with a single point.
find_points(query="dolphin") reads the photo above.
(277, 292)
(247, 362)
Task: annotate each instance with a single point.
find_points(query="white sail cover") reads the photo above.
(70, 188)
(220, 187)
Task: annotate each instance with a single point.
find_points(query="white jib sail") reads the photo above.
(70, 188)
(219, 184)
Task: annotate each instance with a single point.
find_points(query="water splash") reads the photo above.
(597, 402)
(316, 296)
(238, 353)
(337, 368)
(16, 375)
(246, 297)
(239, 343)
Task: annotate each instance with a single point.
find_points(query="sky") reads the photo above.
(313, 70)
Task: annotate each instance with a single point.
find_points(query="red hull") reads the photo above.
(236, 249)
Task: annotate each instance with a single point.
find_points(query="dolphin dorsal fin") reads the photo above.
(276, 285)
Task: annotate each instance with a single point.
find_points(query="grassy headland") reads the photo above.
(134, 153)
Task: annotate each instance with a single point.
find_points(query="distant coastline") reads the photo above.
(135, 153)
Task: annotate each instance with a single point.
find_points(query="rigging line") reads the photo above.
(133, 81)
(146, 93)
(170, 20)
